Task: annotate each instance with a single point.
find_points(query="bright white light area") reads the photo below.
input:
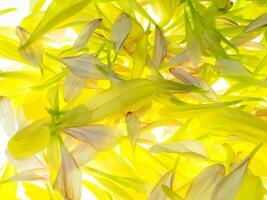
(70, 33)
(220, 86)
(143, 21)
(61, 37)
(87, 194)
(21, 192)
(163, 133)
(158, 133)
(9, 65)
(258, 38)
(118, 150)
(152, 14)
(13, 18)
(46, 4)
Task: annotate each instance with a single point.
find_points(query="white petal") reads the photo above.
(120, 30)
(73, 85)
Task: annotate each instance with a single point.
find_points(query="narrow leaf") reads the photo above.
(170, 193)
(118, 98)
(57, 12)
(193, 45)
(53, 155)
(8, 10)
(131, 182)
(187, 146)
(214, 45)
(140, 57)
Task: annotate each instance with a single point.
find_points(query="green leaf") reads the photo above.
(165, 10)
(8, 10)
(171, 194)
(131, 182)
(230, 121)
(57, 12)
(251, 188)
(52, 97)
(214, 45)
(9, 49)
(193, 45)
(140, 57)
(183, 147)
(46, 82)
(191, 110)
(29, 140)
(36, 5)
(118, 98)
(261, 65)
(53, 154)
